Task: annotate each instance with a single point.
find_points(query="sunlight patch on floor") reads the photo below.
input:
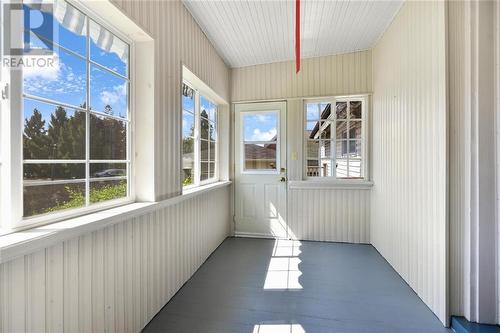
(278, 328)
(283, 271)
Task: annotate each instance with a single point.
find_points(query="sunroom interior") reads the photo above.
(249, 166)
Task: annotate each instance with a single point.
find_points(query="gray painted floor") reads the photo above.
(256, 285)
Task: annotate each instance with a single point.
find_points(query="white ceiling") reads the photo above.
(250, 32)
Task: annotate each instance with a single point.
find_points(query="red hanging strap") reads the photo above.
(297, 36)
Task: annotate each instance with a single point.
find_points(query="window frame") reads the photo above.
(364, 99)
(198, 93)
(16, 206)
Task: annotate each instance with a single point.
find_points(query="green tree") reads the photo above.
(35, 143)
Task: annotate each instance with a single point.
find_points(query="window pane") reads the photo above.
(204, 170)
(208, 109)
(260, 156)
(341, 130)
(355, 149)
(212, 170)
(52, 132)
(312, 149)
(187, 161)
(325, 149)
(213, 131)
(204, 150)
(187, 176)
(34, 173)
(187, 124)
(316, 111)
(49, 198)
(341, 110)
(212, 151)
(64, 82)
(326, 168)
(74, 39)
(312, 111)
(313, 169)
(108, 139)
(341, 168)
(325, 130)
(341, 148)
(312, 129)
(204, 128)
(104, 190)
(261, 126)
(188, 98)
(355, 168)
(106, 170)
(108, 93)
(355, 112)
(45, 189)
(108, 50)
(355, 130)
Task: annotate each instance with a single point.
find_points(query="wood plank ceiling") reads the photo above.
(251, 32)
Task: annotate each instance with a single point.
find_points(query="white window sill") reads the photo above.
(20, 243)
(195, 190)
(351, 184)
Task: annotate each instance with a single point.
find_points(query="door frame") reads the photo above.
(237, 161)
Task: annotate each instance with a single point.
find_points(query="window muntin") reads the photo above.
(334, 139)
(199, 138)
(76, 146)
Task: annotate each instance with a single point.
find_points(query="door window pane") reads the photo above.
(260, 156)
(260, 127)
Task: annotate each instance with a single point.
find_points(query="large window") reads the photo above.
(334, 138)
(76, 135)
(199, 138)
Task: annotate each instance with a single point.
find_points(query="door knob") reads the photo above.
(283, 179)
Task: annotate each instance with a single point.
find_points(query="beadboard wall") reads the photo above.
(459, 151)
(337, 214)
(114, 279)
(178, 41)
(409, 145)
(335, 75)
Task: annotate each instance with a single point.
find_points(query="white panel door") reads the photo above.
(260, 170)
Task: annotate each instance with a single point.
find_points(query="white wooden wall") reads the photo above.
(459, 150)
(314, 214)
(343, 74)
(330, 215)
(178, 40)
(409, 144)
(115, 279)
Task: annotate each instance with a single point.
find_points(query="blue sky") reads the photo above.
(260, 126)
(65, 82)
(188, 112)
